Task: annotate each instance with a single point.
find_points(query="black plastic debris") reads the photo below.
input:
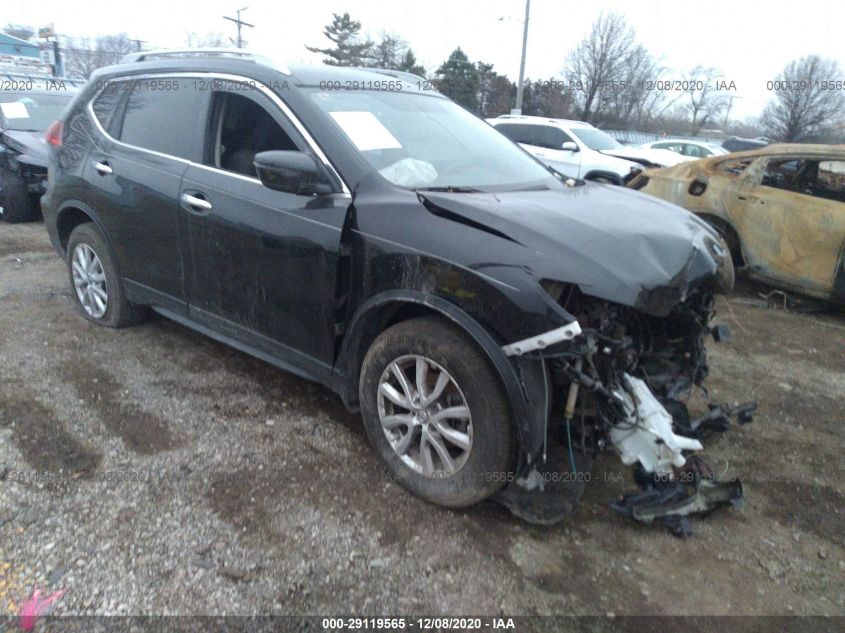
(670, 502)
(716, 420)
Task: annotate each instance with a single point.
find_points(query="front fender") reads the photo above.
(520, 380)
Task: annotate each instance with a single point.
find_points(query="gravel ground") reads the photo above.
(154, 471)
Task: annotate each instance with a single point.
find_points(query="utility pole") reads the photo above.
(521, 86)
(240, 23)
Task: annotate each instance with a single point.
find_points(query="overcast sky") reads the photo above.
(748, 42)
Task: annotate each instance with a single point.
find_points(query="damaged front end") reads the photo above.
(619, 382)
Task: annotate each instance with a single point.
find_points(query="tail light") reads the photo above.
(54, 134)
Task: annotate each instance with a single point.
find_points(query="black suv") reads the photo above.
(488, 316)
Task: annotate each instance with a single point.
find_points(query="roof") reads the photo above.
(794, 149)
(227, 59)
(15, 46)
(524, 118)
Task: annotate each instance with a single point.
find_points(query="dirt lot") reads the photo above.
(152, 470)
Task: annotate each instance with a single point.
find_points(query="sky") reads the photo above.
(749, 43)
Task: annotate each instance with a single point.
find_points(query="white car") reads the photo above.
(580, 150)
(693, 149)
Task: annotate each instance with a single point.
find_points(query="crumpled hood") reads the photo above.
(658, 157)
(614, 243)
(31, 145)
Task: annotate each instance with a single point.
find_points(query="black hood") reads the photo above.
(31, 146)
(614, 243)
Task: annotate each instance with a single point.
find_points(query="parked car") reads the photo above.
(390, 245)
(28, 105)
(580, 150)
(781, 210)
(735, 144)
(692, 149)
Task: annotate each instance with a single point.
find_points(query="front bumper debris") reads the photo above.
(670, 501)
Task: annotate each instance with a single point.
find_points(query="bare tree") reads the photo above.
(806, 100)
(703, 101)
(632, 103)
(209, 40)
(597, 65)
(83, 55)
(388, 52)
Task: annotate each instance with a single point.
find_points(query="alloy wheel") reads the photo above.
(89, 280)
(425, 416)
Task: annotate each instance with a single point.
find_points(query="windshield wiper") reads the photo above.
(449, 189)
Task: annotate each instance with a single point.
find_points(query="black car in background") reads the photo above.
(28, 105)
(485, 314)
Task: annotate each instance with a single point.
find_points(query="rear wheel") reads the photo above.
(95, 281)
(436, 413)
(16, 205)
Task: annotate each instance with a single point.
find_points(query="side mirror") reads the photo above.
(569, 146)
(291, 172)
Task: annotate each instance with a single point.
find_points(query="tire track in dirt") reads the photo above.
(141, 431)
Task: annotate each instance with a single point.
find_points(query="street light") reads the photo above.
(520, 86)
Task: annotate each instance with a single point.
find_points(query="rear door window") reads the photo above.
(162, 115)
(519, 133)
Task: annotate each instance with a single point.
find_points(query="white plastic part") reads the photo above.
(541, 341)
(646, 436)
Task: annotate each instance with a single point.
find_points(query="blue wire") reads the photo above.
(571, 454)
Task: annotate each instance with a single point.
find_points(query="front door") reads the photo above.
(262, 263)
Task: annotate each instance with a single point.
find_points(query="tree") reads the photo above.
(388, 52)
(804, 105)
(409, 64)
(702, 101)
(209, 40)
(546, 97)
(458, 79)
(597, 65)
(83, 56)
(343, 32)
(19, 31)
(494, 91)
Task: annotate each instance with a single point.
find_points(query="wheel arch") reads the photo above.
(597, 174)
(394, 306)
(727, 230)
(70, 215)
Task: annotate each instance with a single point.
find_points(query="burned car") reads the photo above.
(27, 107)
(781, 210)
(485, 314)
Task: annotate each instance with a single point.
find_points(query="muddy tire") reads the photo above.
(16, 203)
(436, 413)
(95, 281)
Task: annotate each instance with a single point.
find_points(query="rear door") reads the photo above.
(150, 132)
(262, 264)
(792, 221)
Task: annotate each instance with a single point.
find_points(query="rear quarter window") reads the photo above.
(107, 104)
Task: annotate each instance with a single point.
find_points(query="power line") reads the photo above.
(240, 24)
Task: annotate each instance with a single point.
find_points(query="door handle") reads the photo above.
(195, 203)
(104, 169)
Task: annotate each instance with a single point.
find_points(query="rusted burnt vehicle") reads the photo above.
(781, 209)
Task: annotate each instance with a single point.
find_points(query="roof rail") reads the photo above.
(399, 74)
(237, 53)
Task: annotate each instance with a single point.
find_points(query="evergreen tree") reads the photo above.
(343, 32)
(458, 79)
(409, 64)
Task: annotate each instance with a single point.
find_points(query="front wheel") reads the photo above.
(436, 413)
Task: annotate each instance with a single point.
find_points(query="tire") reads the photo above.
(477, 472)
(16, 203)
(84, 241)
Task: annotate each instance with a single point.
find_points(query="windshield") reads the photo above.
(425, 142)
(31, 112)
(596, 139)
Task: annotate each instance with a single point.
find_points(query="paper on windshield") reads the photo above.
(14, 110)
(366, 131)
